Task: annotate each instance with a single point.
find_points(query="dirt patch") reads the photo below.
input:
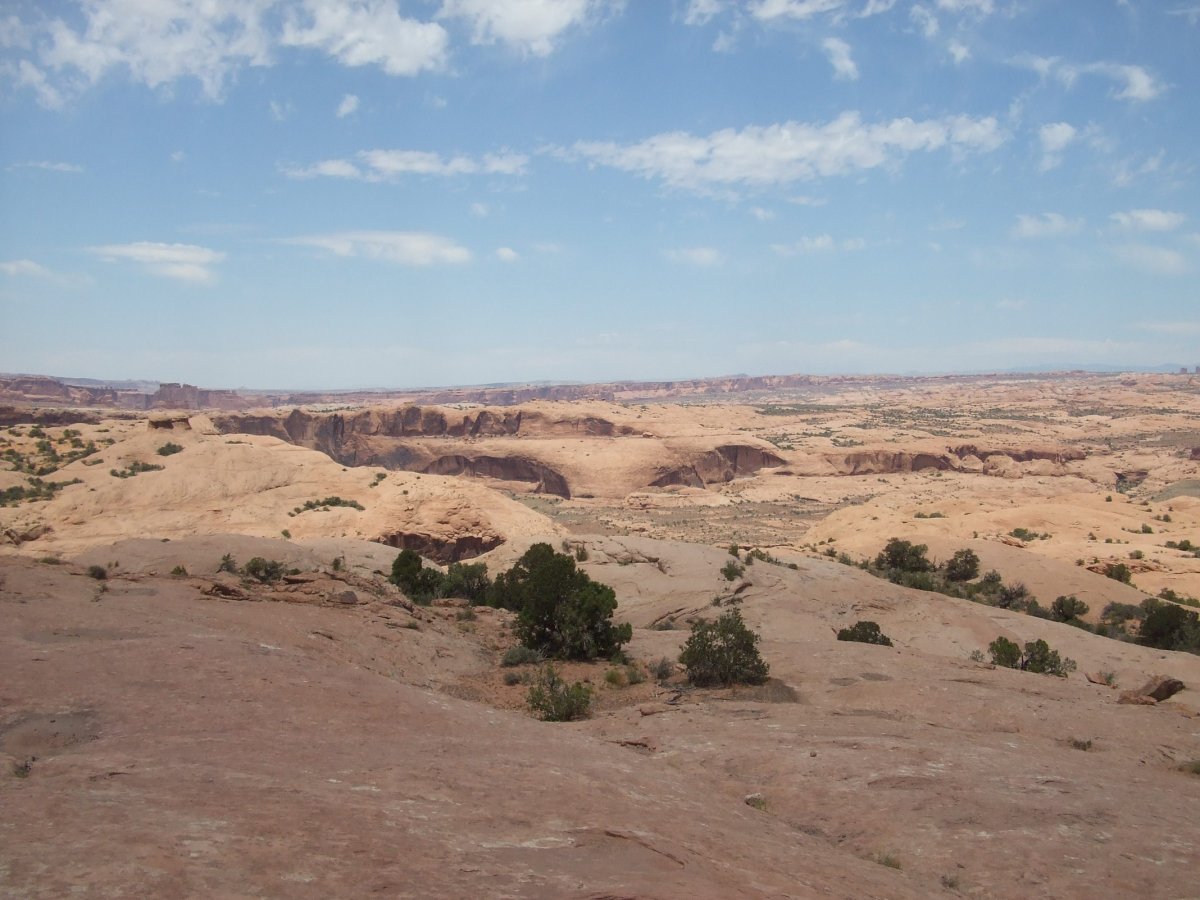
(46, 734)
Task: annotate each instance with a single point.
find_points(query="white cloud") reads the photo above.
(822, 243)
(1148, 220)
(701, 12)
(161, 42)
(178, 156)
(1136, 83)
(408, 248)
(47, 166)
(1046, 225)
(924, 20)
(875, 7)
(1171, 328)
(348, 106)
(507, 254)
(838, 52)
(367, 32)
(1157, 260)
(389, 165)
(805, 200)
(959, 52)
(1139, 85)
(280, 111)
(1191, 13)
(763, 215)
(982, 7)
(480, 210)
(529, 26)
(787, 152)
(1055, 138)
(184, 262)
(24, 267)
(767, 10)
(704, 257)
(329, 168)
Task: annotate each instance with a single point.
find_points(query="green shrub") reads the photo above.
(419, 584)
(1065, 609)
(519, 656)
(1119, 572)
(865, 633)
(1004, 653)
(663, 669)
(1170, 627)
(327, 503)
(904, 556)
(228, 564)
(723, 652)
(732, 570)
(634, 675)
(134, 468)
(560, 610)
(616, 678)
(263, 570)
(98, 572)
(553, 700)
(179, 570)
(169, 449)
(511, 678)
(963, 565)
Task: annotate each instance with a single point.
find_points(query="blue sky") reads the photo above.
(347, 193)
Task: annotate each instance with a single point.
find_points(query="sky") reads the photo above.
(401, 193)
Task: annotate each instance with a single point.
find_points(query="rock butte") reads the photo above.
(190, 735)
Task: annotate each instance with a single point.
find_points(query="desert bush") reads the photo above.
(169, 449)
(1013, 596)
(179, 570)
(663, 669)
(731, 570)
(1119, 572)
(904, 556)
(327, 503)
(723, 652)
(519, 656)
(1037, 657)
(634, 675)
(1171, 627)
(560, 610)
(134, 468)
(1004, 653)
(963, 565)
(615, 678)
(419, 584)
(263, 570)
(98, 572)
(865, 633)
(228, 564)
(1064, 609)
(553, 700)
(511, 678)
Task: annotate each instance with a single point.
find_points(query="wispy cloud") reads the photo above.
(47, 166)
(1134, 83)
(1054, 139)
(789, 151)
(389, 165)
(821, 243)
(25, 268)
(1046, 225)
(507, 254)
(182, 262)
(367, 34)
(1156, 260)
(348, 106)
(704, 257)
(1171, 328)
(407, 248)
(1148, 220)
(531, 27)
(840, 58)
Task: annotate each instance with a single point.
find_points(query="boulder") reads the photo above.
(1161, 687)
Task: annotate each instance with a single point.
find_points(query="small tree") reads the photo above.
(1039, 658)
(263, 570)
(1004, 653)
(903, 556)
(963, 565)
(723, 652)
(1064, 609)
(555, 701)
(560, 610)
(865, 633)
(418, 583)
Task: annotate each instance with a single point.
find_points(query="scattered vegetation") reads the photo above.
(134, 468)
(1024, 534)
(35, 489)
(227, 564)
(520, 655)
(865, 633)
(263, 570)
(327, 504)
(1037, 657)
(169, 449)
(732, 570)
(553, 700)
(467, 581)
(723, 652)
